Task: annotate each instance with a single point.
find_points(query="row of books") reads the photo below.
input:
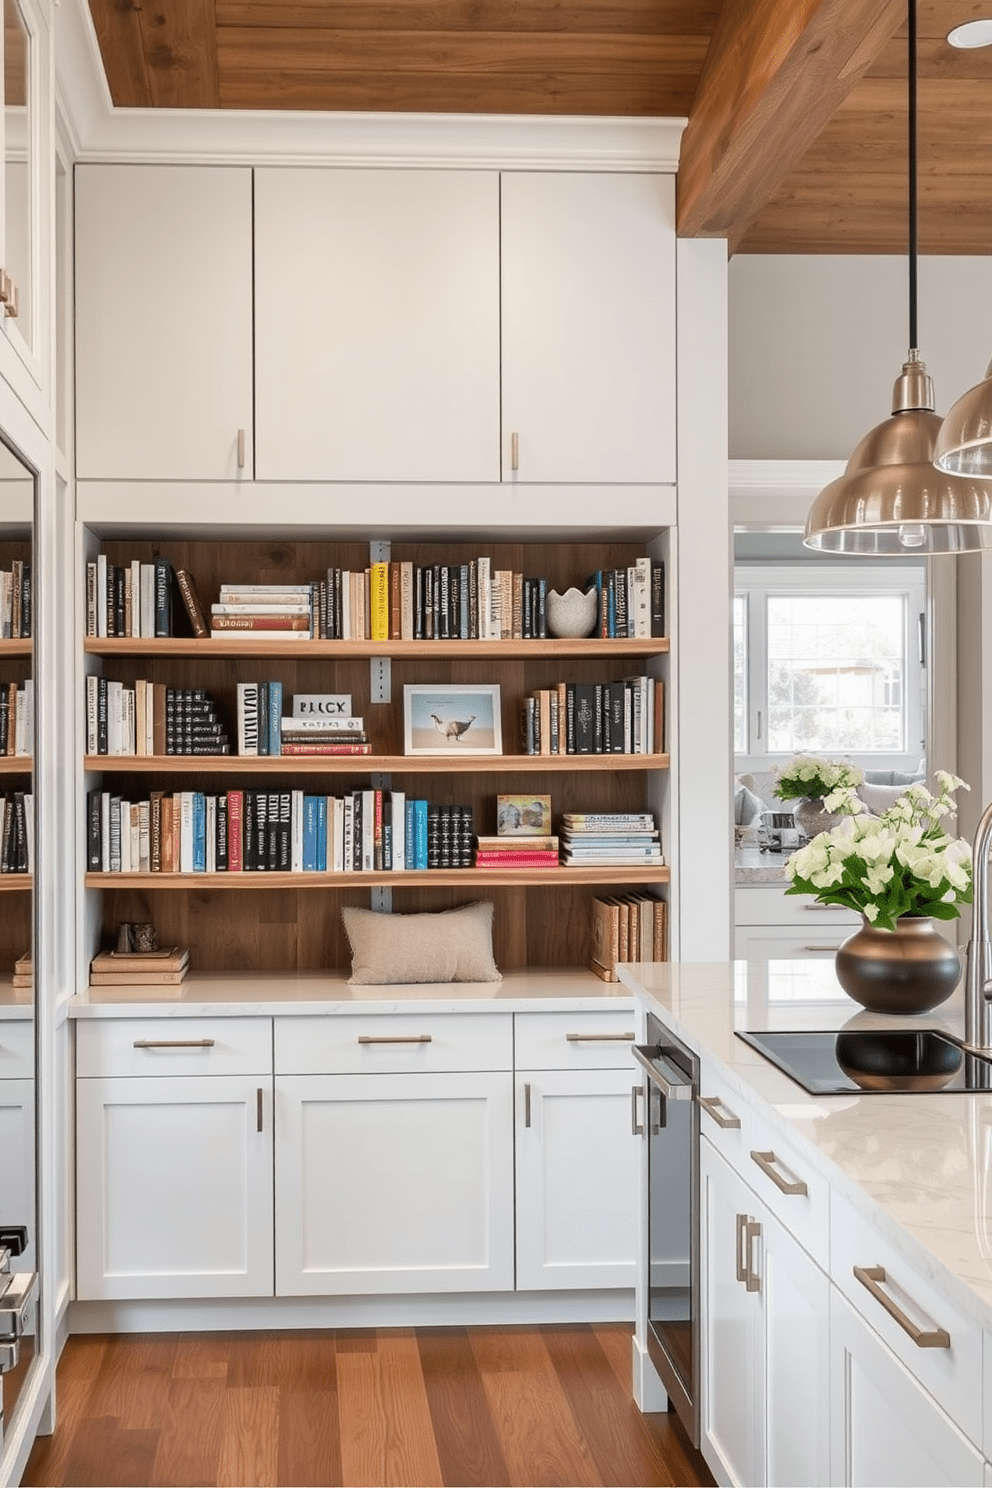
(15, 601)
(631, 600)
(627, 927)
(151, 718)
(288, 831)
(17, 832)
(129, 599)
(16, 717)
(320, 723)
(621, 717)
(599, 840)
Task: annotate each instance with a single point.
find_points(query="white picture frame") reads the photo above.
(451, 720)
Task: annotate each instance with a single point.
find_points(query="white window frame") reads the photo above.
(756, 582)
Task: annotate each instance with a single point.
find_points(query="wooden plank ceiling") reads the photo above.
(797, 108)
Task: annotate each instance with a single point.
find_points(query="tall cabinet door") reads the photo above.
(394, 1183)
(163, 322)
(588, 320)
(576, 1179)
(377, 325)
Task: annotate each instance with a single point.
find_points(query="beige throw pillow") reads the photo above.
(455, 945)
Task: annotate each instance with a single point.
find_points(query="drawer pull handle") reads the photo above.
(722, 1115)
(636, 1123)
(787, 1185)
(752, 1232)
(821, 948)
(872, 1277)
(241, 449)
(527, 1112)
(599, 1038)
(741, 1267)
(394, 1038)
(205, 1043)
(259, 1125)
(514, 451)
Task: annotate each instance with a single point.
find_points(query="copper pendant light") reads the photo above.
(891, 500)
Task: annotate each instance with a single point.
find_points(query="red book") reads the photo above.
(259, 622)
(311, 748)
(516, 859)
(235, 812)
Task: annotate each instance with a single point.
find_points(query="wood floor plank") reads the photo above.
(202, 1356)
(135, 1371)
(106, 1456)
(189, 1444)
(249, 1446)
(361, 1420)
(309, 1442)
(616, 1341)
(468, 1447)
(50, 1454)
(411, 1451)
(542, 1443)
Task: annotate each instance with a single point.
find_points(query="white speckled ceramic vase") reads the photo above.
(573, 613)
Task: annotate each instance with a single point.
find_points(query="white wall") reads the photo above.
(815, 344)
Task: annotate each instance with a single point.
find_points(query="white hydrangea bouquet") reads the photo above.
(899, 863)
(811, 778)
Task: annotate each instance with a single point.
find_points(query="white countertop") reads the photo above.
(919, 1167)
(18, 1002)
(752, 866)
(240, 994)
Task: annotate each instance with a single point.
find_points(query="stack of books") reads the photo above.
(627, 927)
(15, 600)
(17, 832)
(323, 723)
(626, 839)
(23, 971)
(261, 611)
(165, 967)
(516, 852)
(129, 599)
(16, 717)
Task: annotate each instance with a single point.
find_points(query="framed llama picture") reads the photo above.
(451, 720)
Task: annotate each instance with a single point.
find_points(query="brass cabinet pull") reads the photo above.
(786, 1185)
(514, 451)
(258, 1108)
(821, 948)
(204, 1043)
(394, 1038)
(752, 1232)
(636, 1125)
(241, 449)
(713, 1106)
(872, 1278)
(741, 1268)
(599, 1038)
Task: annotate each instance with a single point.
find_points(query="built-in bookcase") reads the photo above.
(283, 922)
(15, 770)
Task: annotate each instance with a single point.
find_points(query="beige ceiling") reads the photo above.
(797, 108)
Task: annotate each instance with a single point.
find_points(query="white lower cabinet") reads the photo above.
(394, 1183)
(173, 1168)
(764, 1307)
(887, 1431)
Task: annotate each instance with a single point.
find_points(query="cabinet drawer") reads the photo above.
(790, 942)
(789, 1186)
(723, 1117)
(174, 1046)
(386, 1043)
(768, 904)
(586, 1040)
(948, 1362)
(16, 1049)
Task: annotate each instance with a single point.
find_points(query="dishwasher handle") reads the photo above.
(673, 1082)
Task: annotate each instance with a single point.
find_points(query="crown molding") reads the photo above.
(769, 494)
(100, 132)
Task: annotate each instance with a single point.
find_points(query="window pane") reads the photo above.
(836, 673)
(740, 674)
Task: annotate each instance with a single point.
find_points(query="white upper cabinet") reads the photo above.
(163, 322)
(588, 327)
(377, 325)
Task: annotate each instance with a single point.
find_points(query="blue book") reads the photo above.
(199, 832)
(309, 834)
(275, 718)
(410, 814)
(420, 834)
(321, 834)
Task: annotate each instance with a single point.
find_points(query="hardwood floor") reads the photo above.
(398, 1406)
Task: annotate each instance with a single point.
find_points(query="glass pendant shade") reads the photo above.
(892, 501)
(964, 444)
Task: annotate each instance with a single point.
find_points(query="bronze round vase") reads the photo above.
(910, 969)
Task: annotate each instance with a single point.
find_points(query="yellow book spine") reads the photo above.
(379, 602)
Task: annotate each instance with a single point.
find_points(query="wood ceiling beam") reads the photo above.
(775, 73)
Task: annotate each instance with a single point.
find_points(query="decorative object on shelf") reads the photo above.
(451, 719)
(812, 782)
(573, 613)
(523, 816)
(892, 499)
(899, 871)
(454, 945)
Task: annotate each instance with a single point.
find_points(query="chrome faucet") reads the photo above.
(978, 973)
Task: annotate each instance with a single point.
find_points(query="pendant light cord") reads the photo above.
(913, 332)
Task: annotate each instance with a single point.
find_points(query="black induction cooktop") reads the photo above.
(912, 1061)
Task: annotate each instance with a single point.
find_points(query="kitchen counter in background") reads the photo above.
(917, 1167)
(752, 866)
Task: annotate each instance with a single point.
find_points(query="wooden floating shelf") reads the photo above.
(15, 882)
(545, 649)
(21, 647)
(438, 877)
(15, 764)
(236, 765)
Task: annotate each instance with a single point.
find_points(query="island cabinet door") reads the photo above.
(174, 1187)
(392, 1183)
(576, 1179)
(886, 1430)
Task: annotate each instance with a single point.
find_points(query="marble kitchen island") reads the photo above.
(811, 1371)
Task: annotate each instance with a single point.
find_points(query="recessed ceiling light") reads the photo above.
(971, 34)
